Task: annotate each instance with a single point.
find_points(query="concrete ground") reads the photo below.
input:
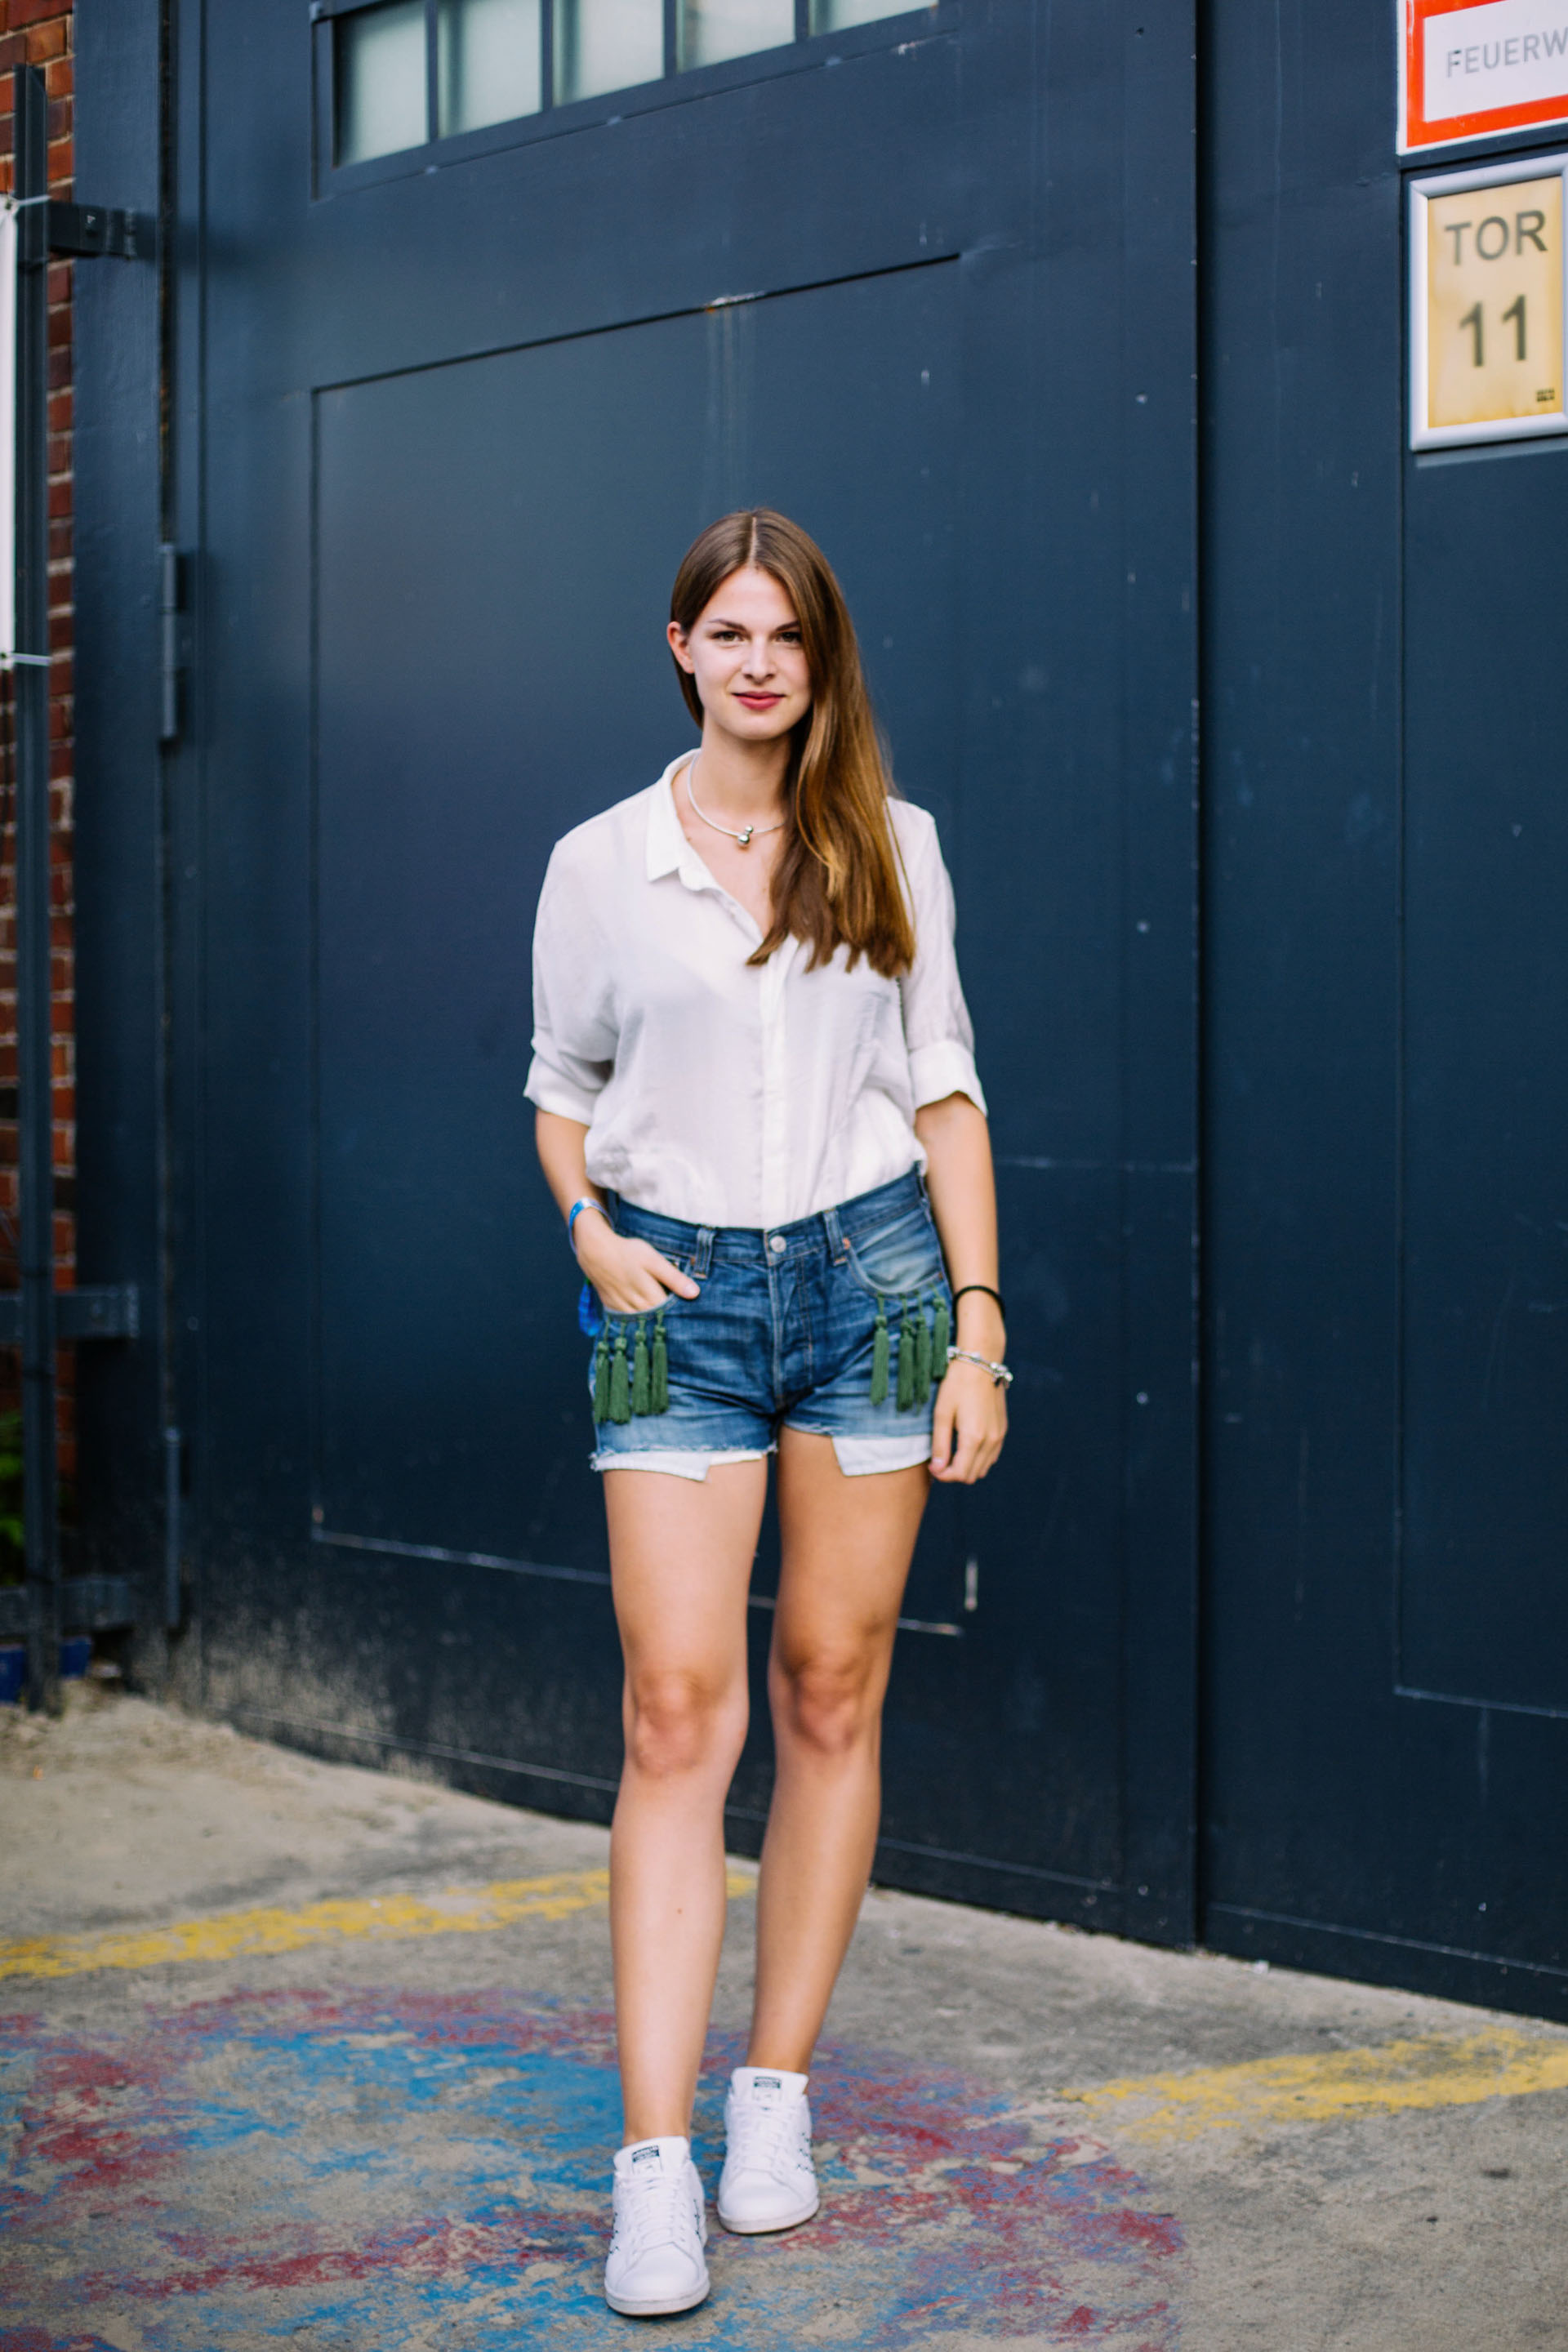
(300, 2055)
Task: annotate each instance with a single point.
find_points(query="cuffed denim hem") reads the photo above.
(678, 1464)
(860, 1457)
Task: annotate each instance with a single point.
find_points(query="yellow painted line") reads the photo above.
(255, 1935)
(1433, 2070)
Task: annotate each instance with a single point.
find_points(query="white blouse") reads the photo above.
(714, 1090)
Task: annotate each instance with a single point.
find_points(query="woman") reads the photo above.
(750, 1043)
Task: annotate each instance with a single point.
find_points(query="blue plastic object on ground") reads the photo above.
(76, 1657)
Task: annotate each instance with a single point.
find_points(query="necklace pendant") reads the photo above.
(745, 838)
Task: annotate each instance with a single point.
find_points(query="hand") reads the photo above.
(969, 1425)
(630, 1276)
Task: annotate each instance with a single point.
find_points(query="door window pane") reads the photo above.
(378, 73)
(838, 15)
(711, 30)
(607, 45)
(488, 62)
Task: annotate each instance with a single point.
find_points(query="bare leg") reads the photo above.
(680, 1555)
(847, 1543)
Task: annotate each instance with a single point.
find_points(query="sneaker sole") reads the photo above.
(659, 2309)
(767, 2228)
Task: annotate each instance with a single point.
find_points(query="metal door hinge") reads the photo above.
(101, 230)
(110, 1311)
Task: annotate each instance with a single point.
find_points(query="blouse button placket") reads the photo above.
(775, 1138)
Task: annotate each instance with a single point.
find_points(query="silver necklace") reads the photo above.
(745, 836)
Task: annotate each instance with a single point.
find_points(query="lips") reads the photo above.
(760, 701)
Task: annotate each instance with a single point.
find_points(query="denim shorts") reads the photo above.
(784, 1333)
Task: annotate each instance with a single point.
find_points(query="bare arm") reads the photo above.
(630, 1276)
(970, 1419)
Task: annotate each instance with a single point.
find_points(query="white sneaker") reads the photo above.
(769, 2181)
(655, 2261)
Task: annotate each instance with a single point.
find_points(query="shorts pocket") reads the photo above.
(898, 1259)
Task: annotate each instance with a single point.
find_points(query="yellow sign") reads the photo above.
(1487, 282)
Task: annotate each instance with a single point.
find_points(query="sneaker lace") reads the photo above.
(656, 2212)
(770, 2139)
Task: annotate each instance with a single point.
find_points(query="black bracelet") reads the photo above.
(984, 1286)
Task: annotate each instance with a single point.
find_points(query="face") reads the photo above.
(745, 654)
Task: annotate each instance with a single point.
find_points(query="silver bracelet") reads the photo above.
(1001, 1378)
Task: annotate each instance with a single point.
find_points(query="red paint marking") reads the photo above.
(427, 2251)
(39, 2339)
(422, 2250)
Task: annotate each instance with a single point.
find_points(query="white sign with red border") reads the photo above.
(1469, 68)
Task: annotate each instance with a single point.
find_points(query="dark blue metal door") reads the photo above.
(444, 418)
(1387, 1006)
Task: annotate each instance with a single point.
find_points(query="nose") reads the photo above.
(759, 657)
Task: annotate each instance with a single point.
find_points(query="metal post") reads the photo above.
(30, 691)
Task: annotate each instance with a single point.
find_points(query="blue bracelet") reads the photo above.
(575, 1212)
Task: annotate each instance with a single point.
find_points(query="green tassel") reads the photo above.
(907, 1360)
(602, 1375)
(620, 1387)
(660, 1401)
(941, 1335)
(640, 1369)
(879, 1356)
(922, 1356)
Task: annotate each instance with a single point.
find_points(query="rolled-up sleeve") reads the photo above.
(937, 1027)
(574, 1008)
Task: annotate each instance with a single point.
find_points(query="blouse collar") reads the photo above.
(669, 851)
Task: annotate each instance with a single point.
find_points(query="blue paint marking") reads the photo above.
(399, 2171)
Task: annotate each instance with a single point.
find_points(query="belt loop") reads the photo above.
(925, 1190)
(835, 1233)
(704, 1256)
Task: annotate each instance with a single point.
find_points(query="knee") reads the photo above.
(679, 1723)
(826, 1704)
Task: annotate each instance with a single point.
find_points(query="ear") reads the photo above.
(678, 647)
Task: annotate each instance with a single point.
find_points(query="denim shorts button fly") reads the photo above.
(778, 1244)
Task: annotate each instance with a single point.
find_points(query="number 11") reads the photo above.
(1473, 321)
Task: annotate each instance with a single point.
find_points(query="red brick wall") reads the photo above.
(38, 32)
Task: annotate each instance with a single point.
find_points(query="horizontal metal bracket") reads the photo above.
(113, 1311)
(101, 229)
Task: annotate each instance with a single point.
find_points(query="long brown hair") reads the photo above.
(839, 879)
